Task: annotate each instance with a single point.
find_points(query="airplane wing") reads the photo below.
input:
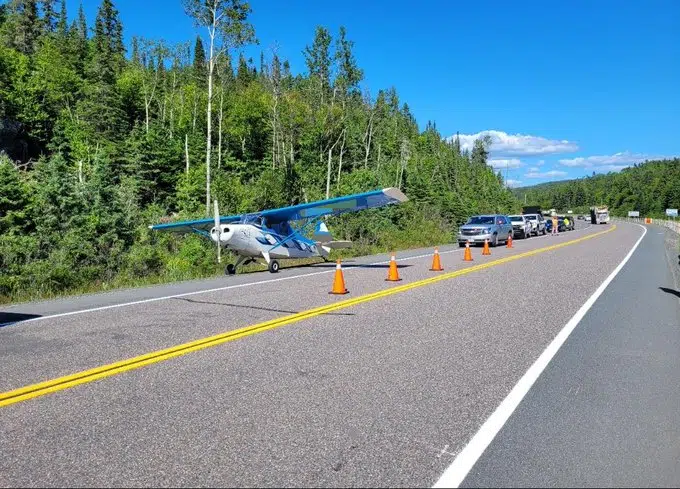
(198, 226)
(337, 205)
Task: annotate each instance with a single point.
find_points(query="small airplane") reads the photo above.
(269, 234)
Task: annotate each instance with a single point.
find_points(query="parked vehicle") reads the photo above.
(537, 223)
(563, 226)
(521, 226)
(531, 209)
(494, 227)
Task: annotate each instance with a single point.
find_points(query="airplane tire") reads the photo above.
(273, 266)
(230, 270)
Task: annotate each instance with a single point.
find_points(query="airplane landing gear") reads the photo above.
(231, 268)
(273, 266)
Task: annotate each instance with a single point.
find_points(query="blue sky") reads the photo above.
(567, 88)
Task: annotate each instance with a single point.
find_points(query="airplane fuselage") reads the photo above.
(251, 241)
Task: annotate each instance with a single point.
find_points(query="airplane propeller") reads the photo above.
(218, 232)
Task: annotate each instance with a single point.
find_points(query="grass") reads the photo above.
(123, 282)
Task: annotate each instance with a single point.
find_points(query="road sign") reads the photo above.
(633, 213)
(672, 212)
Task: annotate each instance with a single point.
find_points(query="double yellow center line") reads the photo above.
(68, 381)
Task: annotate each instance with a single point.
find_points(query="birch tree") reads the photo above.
(227, 24)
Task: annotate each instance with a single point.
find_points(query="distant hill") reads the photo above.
(649, 187)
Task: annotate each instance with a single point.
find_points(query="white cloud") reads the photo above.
(540, 163)
(497, 163)
(546, 174)
(513, 183)
(517, 144)
(622, 160)
(534, 169)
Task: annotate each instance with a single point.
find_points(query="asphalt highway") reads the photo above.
(382, 391)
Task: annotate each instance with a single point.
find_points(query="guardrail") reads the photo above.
(670, 224)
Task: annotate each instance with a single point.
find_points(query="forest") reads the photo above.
(650, 188)
(100, 137)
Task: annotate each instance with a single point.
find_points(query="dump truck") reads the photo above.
(599, 214)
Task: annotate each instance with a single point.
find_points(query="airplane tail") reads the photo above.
(323, 237)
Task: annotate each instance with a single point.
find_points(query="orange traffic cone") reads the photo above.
(393, 273)
(486, 250)
(339, 282)
(468, 253)
(436, 263)
(509, 243)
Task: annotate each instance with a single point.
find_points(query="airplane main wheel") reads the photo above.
(273, 266)
(230, 270)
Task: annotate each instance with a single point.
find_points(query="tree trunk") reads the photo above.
(186, 150)
(367, 140)
(328, 176)
(330, 162)
(379, 148)
(274, 132)
(219, 131)
(342, 151)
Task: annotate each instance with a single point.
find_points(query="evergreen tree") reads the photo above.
(62, 22)
(200, 65)
(24, 25)
(108, 43)
(13, 198)
(49, 19)
(136, 60)
(480, 151)
(243, 71)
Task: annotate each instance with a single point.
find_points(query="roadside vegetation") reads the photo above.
(97, 141)
(650, 188)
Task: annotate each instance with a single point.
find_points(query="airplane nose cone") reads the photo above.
(225, 234)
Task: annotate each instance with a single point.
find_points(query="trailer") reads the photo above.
(599, 214)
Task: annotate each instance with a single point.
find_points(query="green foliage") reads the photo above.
(97, 149)
(650, 188)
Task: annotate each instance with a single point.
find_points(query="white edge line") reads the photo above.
(456, 473)
(227, 287)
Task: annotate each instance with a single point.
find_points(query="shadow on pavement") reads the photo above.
(676, 293)
(9, 318)
(244, 306)
(349, 264)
